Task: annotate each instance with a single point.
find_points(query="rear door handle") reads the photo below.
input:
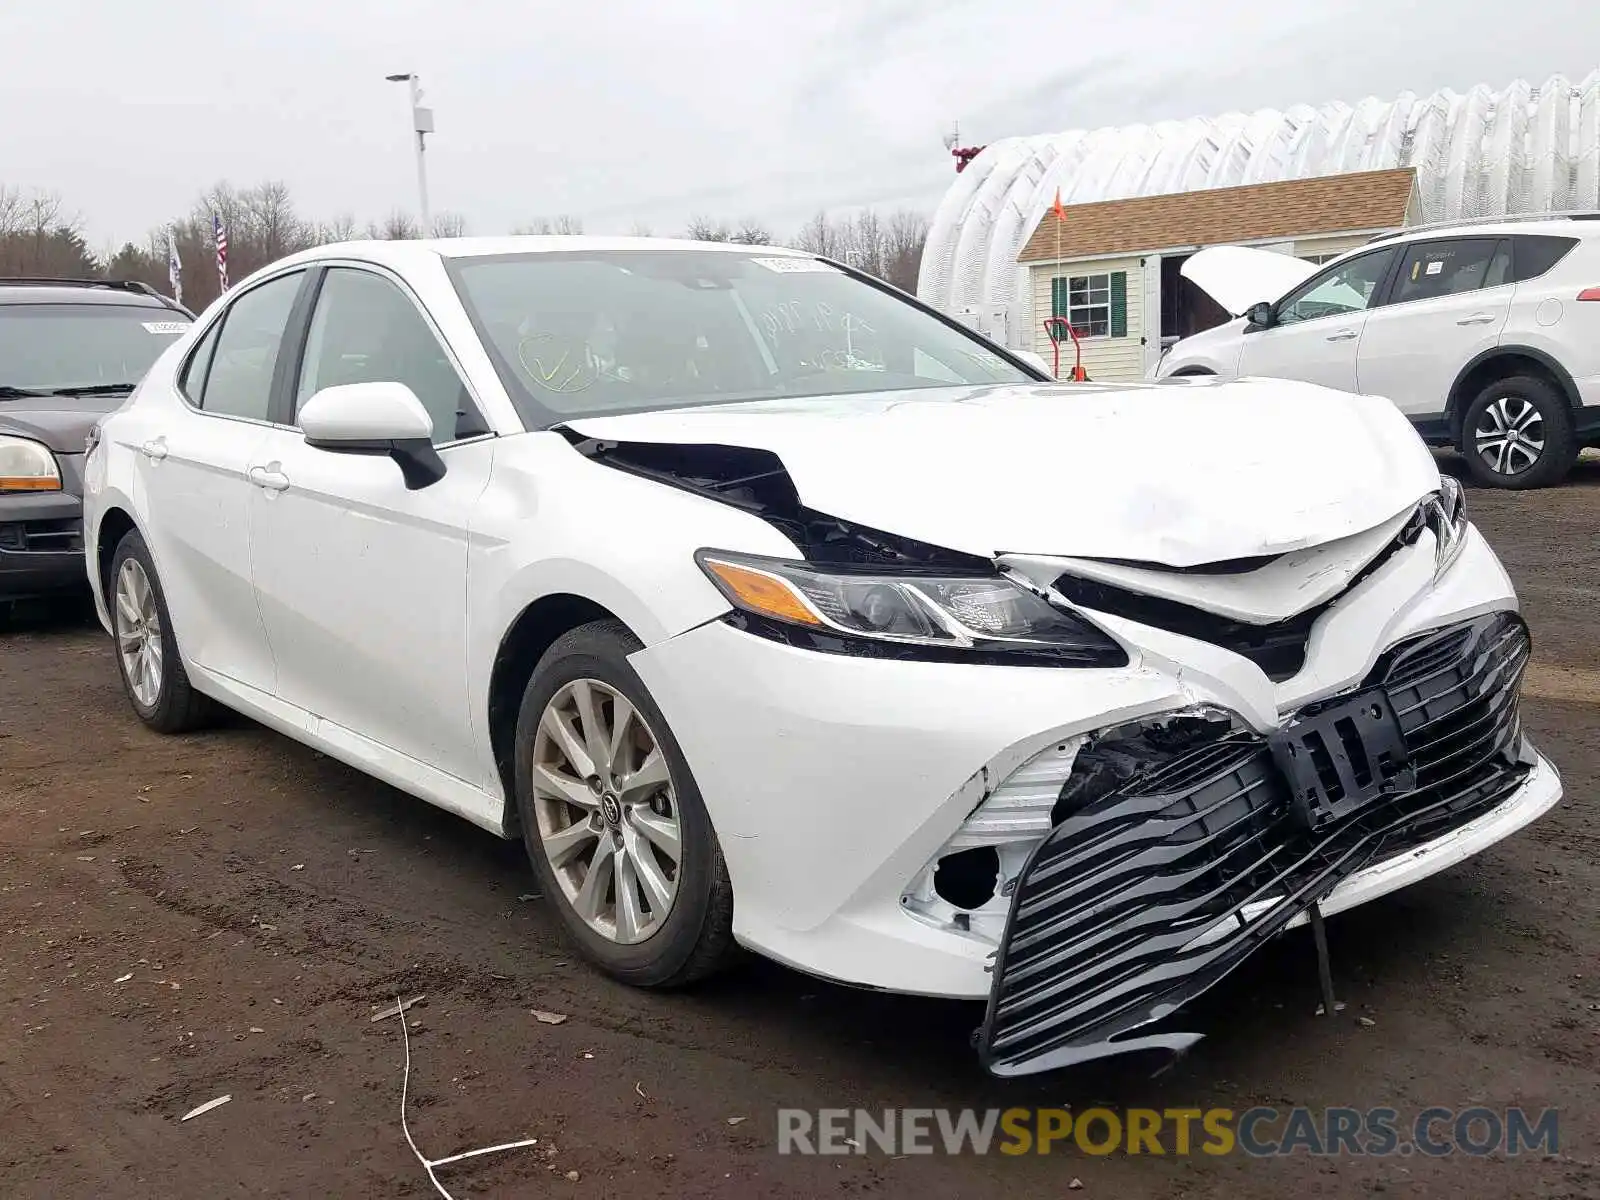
(1477, 319)
(156, 449)
(273, 481)
(1344, 335)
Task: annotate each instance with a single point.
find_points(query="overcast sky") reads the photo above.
(630, 110)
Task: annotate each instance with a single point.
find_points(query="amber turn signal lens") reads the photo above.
(756, 591)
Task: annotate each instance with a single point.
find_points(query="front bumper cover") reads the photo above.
(1145, 898)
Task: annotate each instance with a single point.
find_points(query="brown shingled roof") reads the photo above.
(1219, 216)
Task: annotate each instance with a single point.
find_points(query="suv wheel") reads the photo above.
(1518, 434)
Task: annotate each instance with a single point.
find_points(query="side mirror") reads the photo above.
(375, 418)
(1259, 315)
(1036, 361)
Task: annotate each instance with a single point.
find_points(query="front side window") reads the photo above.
(238, 382)
(366, 330)
(1448, 268)
(56, 347)
(1346, 288)
(580, 332)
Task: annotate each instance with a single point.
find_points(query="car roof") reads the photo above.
(400, 253)
(1575, 225)
(81, 291)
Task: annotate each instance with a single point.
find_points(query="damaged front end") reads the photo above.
(1122, 874)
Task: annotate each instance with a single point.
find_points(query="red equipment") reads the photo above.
(1054, 328)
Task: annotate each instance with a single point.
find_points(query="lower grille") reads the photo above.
(1102, 936)
(42, 537)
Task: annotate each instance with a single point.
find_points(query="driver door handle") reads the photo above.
(1344, 335)
(1477, 319)
(155, 449)
(273, 481)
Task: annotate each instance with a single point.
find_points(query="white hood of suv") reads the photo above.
(1238, 276)
(1154, 473)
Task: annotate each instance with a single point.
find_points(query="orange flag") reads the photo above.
(1060, 212)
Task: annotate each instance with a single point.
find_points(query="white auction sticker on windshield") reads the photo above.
(791, 265)
(165, 326)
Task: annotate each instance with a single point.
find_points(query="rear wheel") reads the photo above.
(147, 653)
(1517, 433)
(613, 820)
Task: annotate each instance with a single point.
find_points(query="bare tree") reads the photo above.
(819, 236)
(704, 229)
(639, 229)
(752, 233)
(539, 227)
(569, 224)
(342, 228)
(904, 237)
(449, 225)
(398, 226)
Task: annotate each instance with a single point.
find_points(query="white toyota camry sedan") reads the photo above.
(772, 609)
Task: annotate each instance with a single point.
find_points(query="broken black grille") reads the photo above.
(1105, 916)
(1279, 648)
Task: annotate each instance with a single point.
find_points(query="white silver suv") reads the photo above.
(1485, 334)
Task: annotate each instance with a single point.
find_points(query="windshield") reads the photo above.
(579, 332)
(48, 347)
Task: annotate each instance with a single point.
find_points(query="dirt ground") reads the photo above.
(182, 918)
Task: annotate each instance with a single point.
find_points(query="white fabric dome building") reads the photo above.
(1523, 148)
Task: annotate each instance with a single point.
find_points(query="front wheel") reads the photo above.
(1517, 433)
(612, 819)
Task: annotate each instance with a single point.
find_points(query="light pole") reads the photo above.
(422, 125)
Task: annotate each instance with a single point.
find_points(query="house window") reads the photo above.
(1320, 258)
(1094, 305)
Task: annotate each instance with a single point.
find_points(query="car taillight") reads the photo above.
(1589, 294)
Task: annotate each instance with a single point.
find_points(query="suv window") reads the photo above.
(1448, 268)
(1347, 288)
(239, 383)
(1534, 254)
(48, 346)
(366, 330)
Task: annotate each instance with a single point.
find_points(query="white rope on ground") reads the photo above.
(429, 1164)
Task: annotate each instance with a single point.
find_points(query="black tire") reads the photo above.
(178, 708)
(1560, 450)
(696, 937)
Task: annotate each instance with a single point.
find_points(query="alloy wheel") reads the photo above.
(607, 814)
(138, 625)
(1510, 435)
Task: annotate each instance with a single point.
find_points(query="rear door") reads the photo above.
(1449, 302)
(194, 491)
(1317, 328)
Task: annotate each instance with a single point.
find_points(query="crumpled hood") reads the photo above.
(1148, 472)
(60, 422)
(1238, 276)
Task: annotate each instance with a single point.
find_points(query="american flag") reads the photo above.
(222, 249)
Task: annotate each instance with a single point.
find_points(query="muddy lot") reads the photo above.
(218, 914)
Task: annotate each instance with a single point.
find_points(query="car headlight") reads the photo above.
(27, 466)
(1446, 515)
(967, 618)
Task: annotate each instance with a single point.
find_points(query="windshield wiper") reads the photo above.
(7, 392)
(93, 389)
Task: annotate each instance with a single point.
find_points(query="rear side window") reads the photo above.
(193, 380)
(1534, 254)
(1445, 268)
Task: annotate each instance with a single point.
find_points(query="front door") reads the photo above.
(363, 583)
(1316, 328)
(1449, 302)
(195, 496)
